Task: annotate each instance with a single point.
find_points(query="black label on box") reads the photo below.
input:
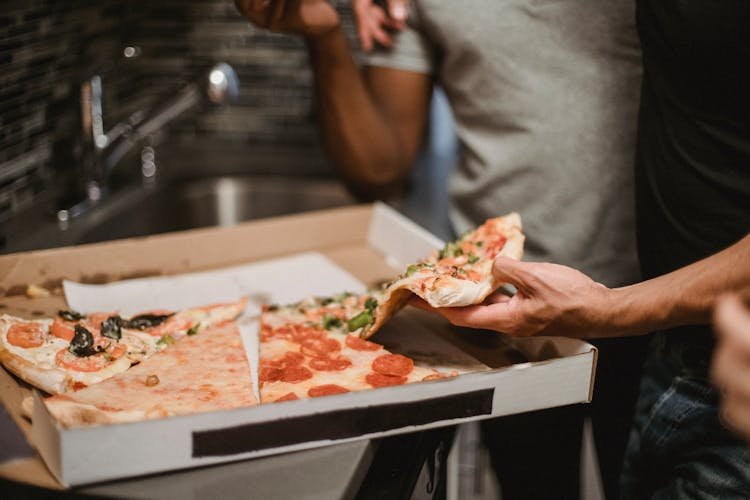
(339, 424)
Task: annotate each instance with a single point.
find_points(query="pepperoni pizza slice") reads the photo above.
(312, 349)
(204, 372)
(459, 274)
(73, 350)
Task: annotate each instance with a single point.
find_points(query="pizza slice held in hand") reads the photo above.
(73, 350)
(459, 274)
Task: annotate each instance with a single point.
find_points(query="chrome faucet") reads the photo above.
(102, 151)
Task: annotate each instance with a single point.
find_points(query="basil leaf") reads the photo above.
(112, 327)
(194, 329)
(144, 321)
(82, 344)
(70, 315)
(330, 321)
(166, 339)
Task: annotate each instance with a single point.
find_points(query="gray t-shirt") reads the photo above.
(544, 95)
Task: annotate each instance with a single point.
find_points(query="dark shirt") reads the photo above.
(693, 151)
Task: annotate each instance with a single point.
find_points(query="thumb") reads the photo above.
(512, 271)
(398, 9)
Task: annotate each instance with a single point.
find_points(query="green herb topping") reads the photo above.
(166, 339)
(330, 321)
(473, 258)
(450, 249)
(194, 329)
(360, 320)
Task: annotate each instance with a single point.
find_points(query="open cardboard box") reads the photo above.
(372, 243)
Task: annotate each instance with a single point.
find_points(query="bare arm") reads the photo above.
(558, 300)
(372, 123)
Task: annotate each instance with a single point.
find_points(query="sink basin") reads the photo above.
(144, 210)
(218, 201)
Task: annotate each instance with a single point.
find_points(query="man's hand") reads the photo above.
(551, 300)
(311, 18)
(374, 24)
(730, 369)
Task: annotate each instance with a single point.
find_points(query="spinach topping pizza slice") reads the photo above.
(459, 274)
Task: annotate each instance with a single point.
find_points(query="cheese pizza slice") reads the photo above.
(208, 371)
(308, 350)
(73, 350)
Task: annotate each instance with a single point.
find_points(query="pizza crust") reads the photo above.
(75, 414)
(50, 381)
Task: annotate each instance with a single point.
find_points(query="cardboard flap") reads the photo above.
(398, 238)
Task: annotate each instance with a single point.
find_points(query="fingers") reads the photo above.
(398, 10)
(373, 23)
(735, 413)
(487, 317)
(496, 316)
(517, 273)
(732, 320)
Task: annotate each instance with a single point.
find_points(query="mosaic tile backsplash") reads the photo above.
(48, 47)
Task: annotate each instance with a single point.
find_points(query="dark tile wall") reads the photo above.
(47, 47)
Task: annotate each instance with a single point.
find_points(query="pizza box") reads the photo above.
(282, 259)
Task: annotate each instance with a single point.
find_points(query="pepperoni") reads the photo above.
(495, 247)
(26, 335)
(380, 380)
(470, 275)
(289, 358)
(393, 364)
(267, 332)
(289, 396)
(95, 320)
(295, 374)
(330, 364)
(62, 329)
(303, 333)
(269, 374)
(293, 358)
(320, 347)
(358, 344)
(326, 390)
(92, 363)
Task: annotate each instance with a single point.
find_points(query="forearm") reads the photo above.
(685, 296)
(358, 137)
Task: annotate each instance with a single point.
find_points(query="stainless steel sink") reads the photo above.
(174, 206)
(219, 201)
